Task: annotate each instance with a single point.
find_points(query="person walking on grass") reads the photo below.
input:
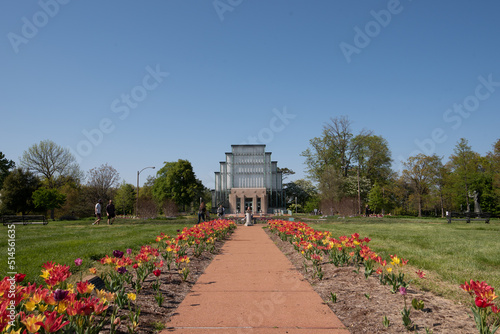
(97, 212)
(110, 212)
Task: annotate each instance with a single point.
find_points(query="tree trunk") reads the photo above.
(420, 206)
(442, 204)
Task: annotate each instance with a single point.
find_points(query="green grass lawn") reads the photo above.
(449, 253)
(64, 241)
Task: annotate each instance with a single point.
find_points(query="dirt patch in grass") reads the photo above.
(361, 303)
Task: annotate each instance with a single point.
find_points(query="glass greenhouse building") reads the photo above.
(249, 179)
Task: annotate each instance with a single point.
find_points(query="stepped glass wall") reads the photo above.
(248, 178)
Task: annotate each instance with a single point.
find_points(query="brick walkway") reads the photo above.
(251, 287)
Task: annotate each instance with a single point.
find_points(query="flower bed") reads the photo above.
(60, 307)
(335, 268)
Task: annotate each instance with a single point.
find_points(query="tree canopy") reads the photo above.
(5, 167)
(421, 172)
(18, 190)
(177, 181)
(125, 198)
(337, 147)
(52, 162)
(48, 199)
(101, 181)
(347, 165)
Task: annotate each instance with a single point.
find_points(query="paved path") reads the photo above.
(251, 287)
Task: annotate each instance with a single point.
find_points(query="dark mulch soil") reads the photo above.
(153, 317)
(362, 303)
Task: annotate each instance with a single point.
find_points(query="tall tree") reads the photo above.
(373, 158)
(101, 181)
(52, 162)
(177, 181)
(421, 172)
(442, 175)
(18, 190)
(494, 157)
(335, 147)
(48, 199)
(125, 198)
(377, 200)
(5, 167)
(464, 165)
(301, 189)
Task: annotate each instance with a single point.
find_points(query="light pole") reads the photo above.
(137, 201)
(295, 204)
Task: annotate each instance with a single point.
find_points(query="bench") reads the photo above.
(24, 220)
(468, 217)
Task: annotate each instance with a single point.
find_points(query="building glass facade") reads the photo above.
(248, 178)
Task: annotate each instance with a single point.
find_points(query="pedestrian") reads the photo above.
(110, 212)
(201, 212)
(220, 212)
(97, 212)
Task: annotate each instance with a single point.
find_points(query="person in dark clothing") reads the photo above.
(201, 212)
(220, 212)
(110, 211)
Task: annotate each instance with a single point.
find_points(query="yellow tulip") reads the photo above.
(42, 308)
(62, 306)
(30, 305)
(30, 323)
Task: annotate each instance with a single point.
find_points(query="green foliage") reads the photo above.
(17, 192)
(47, 199)
(125, 198)
(285, 172)
(302, 189)
(312, 203)
(417, 304)
(336, 148)
(386, 322)
(345, 165)
(377, 200)
(420, 173)
(177, 181)
(374, 158)
(5, 167)
(292, 208)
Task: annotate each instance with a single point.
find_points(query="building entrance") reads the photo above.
(248, 203)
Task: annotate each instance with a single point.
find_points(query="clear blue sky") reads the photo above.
(155, 81)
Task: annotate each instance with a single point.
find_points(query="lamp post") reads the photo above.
(137, 201)
(295, 204)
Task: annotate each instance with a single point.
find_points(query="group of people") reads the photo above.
(110, 212)
(204, 215)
